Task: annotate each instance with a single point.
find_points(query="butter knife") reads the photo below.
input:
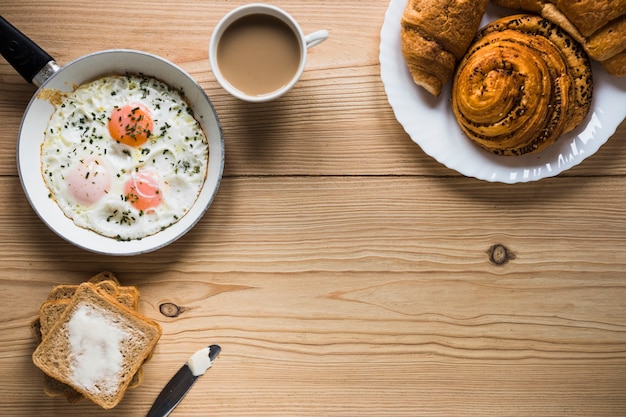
(182, 381)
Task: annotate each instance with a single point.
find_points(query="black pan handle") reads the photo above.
(21, 52)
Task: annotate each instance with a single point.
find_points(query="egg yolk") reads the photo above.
(142, 190)
(131, 125)
(88, 181)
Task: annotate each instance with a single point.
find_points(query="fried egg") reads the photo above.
(124, 156)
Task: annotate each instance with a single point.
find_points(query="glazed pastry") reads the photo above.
(435, 35)
(523, 83)
(598, 25)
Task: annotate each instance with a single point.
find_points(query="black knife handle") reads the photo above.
(22, 53)
(173, 393)
(177, 387)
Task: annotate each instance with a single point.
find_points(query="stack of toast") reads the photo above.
(92, 341)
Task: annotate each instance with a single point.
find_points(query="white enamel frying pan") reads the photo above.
(39, 68)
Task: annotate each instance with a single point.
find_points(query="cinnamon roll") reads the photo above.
(523, 83)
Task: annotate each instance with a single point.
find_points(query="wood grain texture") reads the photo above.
(343, 271)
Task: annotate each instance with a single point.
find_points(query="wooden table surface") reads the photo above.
(343, 271)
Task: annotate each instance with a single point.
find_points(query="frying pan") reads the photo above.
(39, 68)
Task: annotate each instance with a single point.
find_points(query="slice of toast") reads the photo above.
(92, 323)
(104, 276)
(50, 311)
(105, 280)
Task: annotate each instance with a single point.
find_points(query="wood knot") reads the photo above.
(500, 254)
(170, 309)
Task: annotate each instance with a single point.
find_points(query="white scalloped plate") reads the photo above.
(430, 123)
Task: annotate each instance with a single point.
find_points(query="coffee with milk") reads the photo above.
(258, 54)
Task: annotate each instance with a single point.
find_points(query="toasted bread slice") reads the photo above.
(97, 346)
(106, 279)
(50, 311)
(35, 329)
(62, 292)
(104, 276)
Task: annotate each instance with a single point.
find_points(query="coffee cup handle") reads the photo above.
(315, 38)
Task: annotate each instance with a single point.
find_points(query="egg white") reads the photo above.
(77, 133)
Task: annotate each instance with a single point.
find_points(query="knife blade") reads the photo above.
(182, 381)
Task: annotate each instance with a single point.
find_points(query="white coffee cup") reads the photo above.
(254, 85)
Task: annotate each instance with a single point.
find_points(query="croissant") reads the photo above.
(435, 35)
(616, 65)
(590, 15)
(523, 83)
(598, 25)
